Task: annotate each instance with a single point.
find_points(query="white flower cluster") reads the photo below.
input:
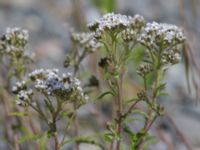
(86, 41)
(14, 40)
(48, 82)
(111, 22)
(166, 39)
(129, 35)
(156, 34)
(23, 93)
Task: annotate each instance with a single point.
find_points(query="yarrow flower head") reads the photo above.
(110, 21)
(23, 93)
(86, 41)
(166, 39)
(161, 34)
(50, 83)
(14, 40)
(115, 22)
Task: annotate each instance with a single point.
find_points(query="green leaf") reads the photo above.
(129, 120)
(128, 131)
(149, 140)
(150, 79)
(108, 137)
(18, 114)
(138, 55)
(89, 141)
(148, 61)
(86, 140)
(104, 5)
(64, 114)
(163, 94)
(49, 105)
(161, 86)
(43, 142)
(106, 93)
(131, 100)
(142, 113)
(28, 137)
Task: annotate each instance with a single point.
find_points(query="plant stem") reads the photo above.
(119, 111)
(130, 108)
(77, 132)
(66, 129)
(146, 129)
(56, 141)
(119, 83)
(150, 121)
(111, 146)
(145, 83)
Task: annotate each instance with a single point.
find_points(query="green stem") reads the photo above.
(56, 141)
(145, 83)
(119, 120)
(66, 129)
(119, 82)
(146, 129)
(150, 120)
(40, 112)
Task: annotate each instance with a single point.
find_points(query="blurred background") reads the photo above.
(50, 22)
